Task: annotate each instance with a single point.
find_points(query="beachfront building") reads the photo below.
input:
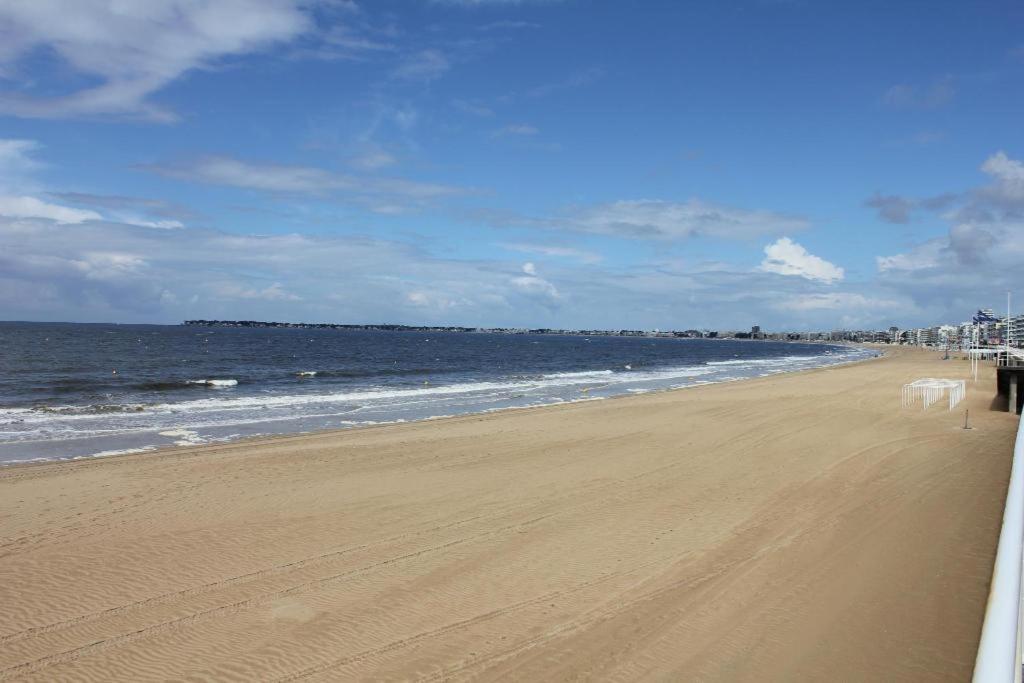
(937, 335)
(991, 331)
(949, 335)
(1017, 330)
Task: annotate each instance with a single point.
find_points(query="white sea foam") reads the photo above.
(781, 360)
(478, 392)
(306, 373)
(215, 382)
(581, 375)
(183, 437)
(21, 461)
(115, 451)
(371, 397)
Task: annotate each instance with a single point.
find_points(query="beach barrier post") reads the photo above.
(1013, 393)
(999, 651)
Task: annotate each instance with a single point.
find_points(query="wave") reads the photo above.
(369, 373)
(370, 401)
(117, 451)
(105, 386)
(375, 395)
(91, 409)
(214, 382)
(180, 384)
(779, 360)
(582, 374)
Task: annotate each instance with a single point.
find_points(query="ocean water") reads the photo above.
(75, 390)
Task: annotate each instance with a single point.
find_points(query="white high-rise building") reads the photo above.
(966, 331)
(1017, 330)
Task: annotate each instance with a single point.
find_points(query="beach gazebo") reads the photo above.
(930, 390)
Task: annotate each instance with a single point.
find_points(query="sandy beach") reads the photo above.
(794, 527)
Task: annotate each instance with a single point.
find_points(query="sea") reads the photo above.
(70, 390)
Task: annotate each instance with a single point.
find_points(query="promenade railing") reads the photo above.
(999, 652)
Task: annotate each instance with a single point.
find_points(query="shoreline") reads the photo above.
(163, 450)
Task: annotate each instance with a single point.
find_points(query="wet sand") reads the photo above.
(795, 527)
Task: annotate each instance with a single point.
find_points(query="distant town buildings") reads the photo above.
(984, 329)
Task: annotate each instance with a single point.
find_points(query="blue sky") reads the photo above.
(792, 164)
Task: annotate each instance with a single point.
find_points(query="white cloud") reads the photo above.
(107, 265)
(436, 302)
(517, 129)
(16, 162)
(18, 186)
(134, 48)
(979, 257)
(303, 180)
(532, 284)
(988, 217)
(786, 257)
(150, 213)
(911, 96)
(272, 292)
(144, 274)
(925, 256)
(97, 270)
(900, 210)
(535, 286)
(373, 159)
(662, 220)
(474, 108)
(507, 25)
(340, 41)
(423, 66)
(485, 3)
(838, 301)
(554, 251)
(1008, 175)
(17, 169)
(30, 207)
(575, 80)
(891, 208)
(159, 225)
(855, 311)
(927, 137)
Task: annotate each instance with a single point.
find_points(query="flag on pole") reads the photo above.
(982, 317)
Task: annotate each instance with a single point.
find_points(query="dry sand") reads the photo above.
(796, 527)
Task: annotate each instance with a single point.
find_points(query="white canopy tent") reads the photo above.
(931, 389)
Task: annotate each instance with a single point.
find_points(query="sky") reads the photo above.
(792, 164)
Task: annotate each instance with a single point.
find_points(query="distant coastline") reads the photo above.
(388, 327)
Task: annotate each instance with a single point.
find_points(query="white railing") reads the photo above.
(999, 652)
